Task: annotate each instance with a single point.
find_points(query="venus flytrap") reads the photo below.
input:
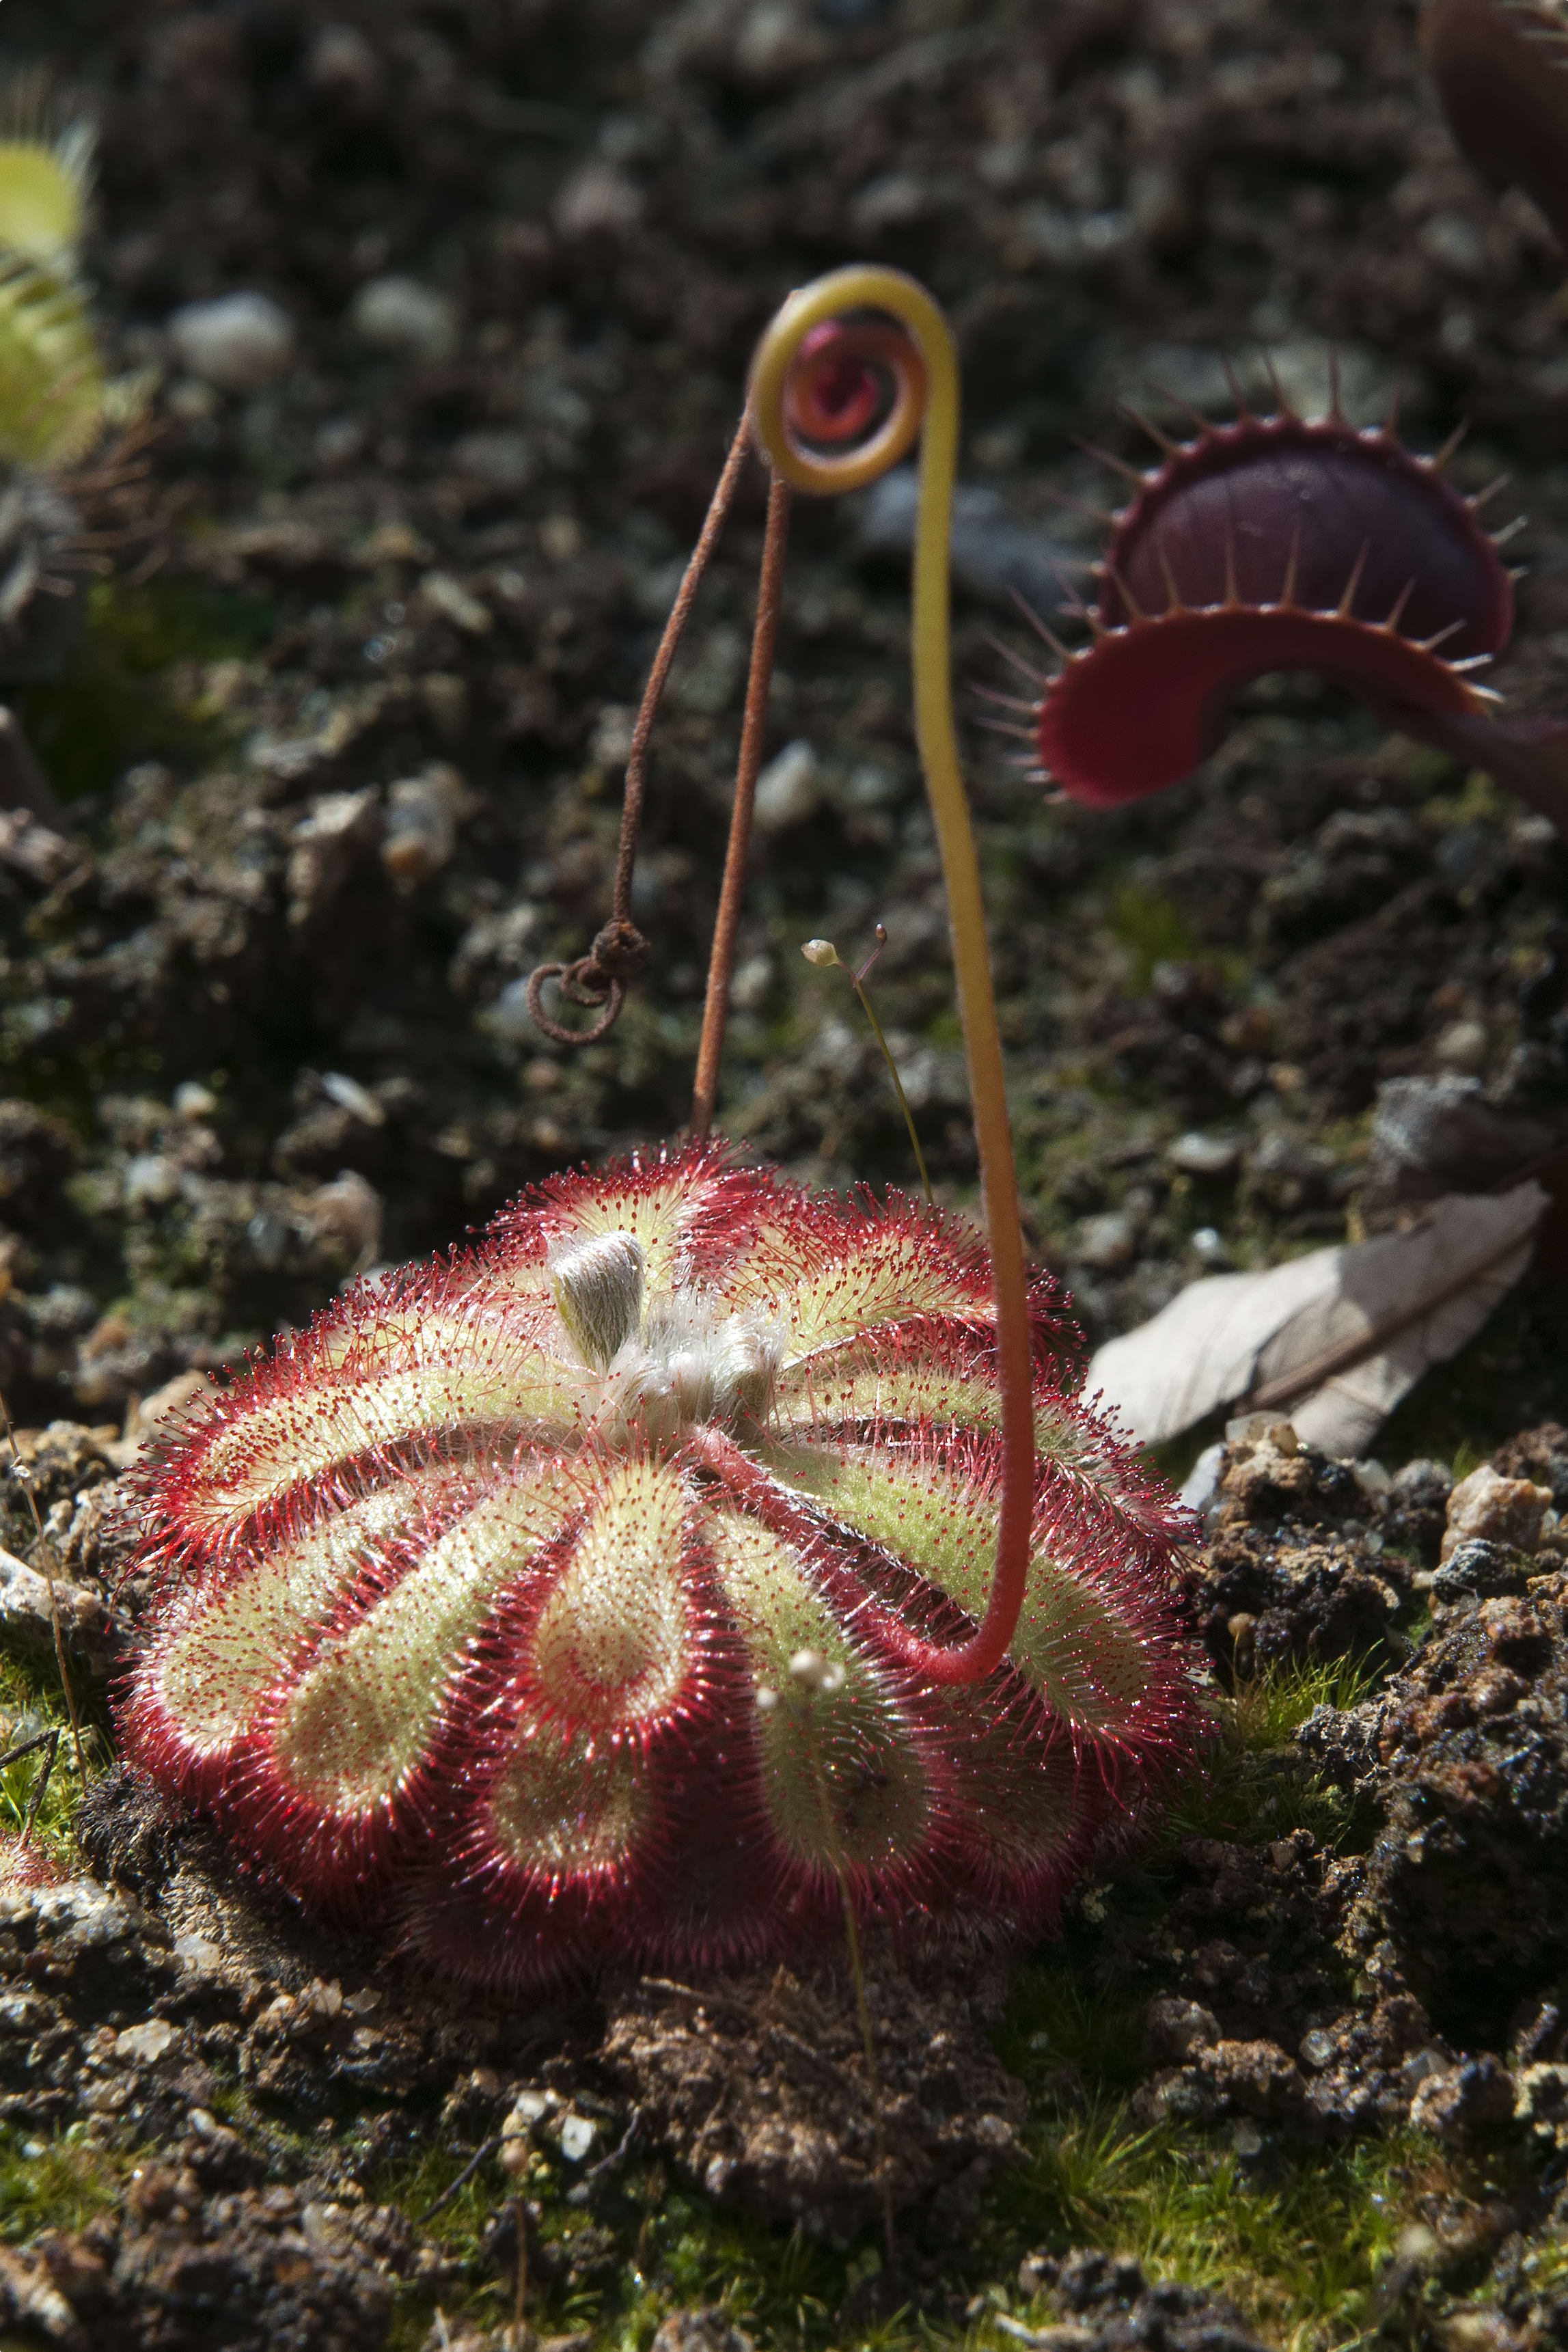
(52, 384)
(1285, 542)
(694, 1564)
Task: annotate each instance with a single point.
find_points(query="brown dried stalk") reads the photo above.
(726, 923)
(619, 951)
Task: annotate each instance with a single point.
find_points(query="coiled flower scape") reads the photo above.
(565, 1599)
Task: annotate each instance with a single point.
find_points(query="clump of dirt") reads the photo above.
(759, 2083)
(171, 1987)
(1305, 1560)
(178, 2265)
(1467, 1881)
(1103, 2303)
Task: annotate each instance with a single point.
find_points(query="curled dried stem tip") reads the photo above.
(598, 979)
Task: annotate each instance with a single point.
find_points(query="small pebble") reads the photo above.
(598, 201)
(453, 602)
(150, 1181)
(610, 745)
(342, 64)
(238, 343)
(1106, 1240)
(502, 460)
(789, 790)
(421, 823)
(753, 980)
(351, 1096)
(1195, 1154)
(1476, 1570)
(143, 2046)
(399, 315)
(510, 1018)
(346, 1215)
(1462, 1045)
(1496, 1509)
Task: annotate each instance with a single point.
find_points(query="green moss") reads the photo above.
(415, 2186)
(59, 2186)
(1479, 801)
(1254, 1785)
(1266, 1711)
(121, 699)
(1300, 2253)
(1056, 2018)
(1152, 929)
(31, 1701)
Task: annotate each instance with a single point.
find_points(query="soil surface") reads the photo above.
(342, 768)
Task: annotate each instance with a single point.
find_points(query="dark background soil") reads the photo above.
(390, 561)
(245, 1057)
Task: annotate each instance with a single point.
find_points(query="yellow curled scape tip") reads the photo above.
(868, 348)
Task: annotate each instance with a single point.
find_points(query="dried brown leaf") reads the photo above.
(1334, 1340)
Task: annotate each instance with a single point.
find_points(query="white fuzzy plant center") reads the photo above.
(666, 1365)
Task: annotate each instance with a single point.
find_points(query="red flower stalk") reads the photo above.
(1500, 70)
(552, 1602)
(1278, 543)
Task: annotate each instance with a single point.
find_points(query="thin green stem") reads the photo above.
(874, 2084)
(898, 1087)
(831, 1839)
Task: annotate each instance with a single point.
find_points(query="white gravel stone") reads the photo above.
(789, 790)
(1197, 1154)
(1107, 1241)
(236, 342)
(398, 314)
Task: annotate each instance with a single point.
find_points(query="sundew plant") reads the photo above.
(693, 1557)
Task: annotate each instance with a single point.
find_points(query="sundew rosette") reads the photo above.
(562, 1600)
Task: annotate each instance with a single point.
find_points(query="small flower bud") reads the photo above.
(815, 1673)
(820, 952)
